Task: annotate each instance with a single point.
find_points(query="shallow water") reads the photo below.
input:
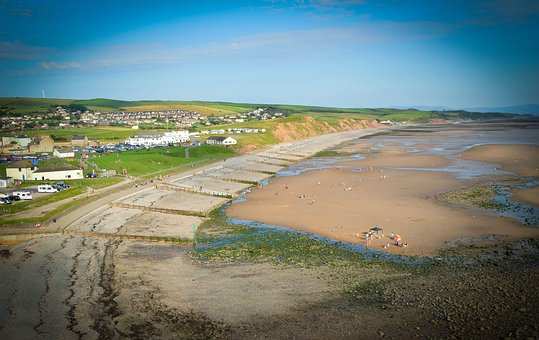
(317, 163)
(448, 142)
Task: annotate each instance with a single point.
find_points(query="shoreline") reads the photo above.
(438, 226)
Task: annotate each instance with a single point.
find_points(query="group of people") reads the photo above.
(378, 232)
(397, 240)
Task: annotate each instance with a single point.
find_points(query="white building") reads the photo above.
(57, 174)
(25, 171)
(21, 170)
(220, 140)
(173, 137)
(176, 137)
(63, 153)
(6, 182)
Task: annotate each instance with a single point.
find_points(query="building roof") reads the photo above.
(64, 149)
(62, 168)
(20, 164)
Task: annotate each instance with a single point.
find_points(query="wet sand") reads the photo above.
(343, 203)
(530, 195)
(520, 159)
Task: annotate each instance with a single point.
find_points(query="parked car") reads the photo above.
(13, 198)
(92, 175)
(61, 186)
(23, 195)
(2, 195)
(46, 188)
(5, 201)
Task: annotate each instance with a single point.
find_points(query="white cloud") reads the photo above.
(51, 65)
(20, 51)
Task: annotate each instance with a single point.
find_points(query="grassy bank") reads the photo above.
(159, 160)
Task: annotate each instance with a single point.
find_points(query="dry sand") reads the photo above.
(521, 159)
(342, 204)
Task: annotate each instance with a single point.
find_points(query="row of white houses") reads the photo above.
(167, 138)
(232, 130)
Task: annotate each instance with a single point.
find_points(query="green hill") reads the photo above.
(22, 105)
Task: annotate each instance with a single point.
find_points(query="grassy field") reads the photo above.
(27, 105)
(93, 133)
(78, 187)
(154, 161)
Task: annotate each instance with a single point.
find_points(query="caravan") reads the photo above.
(23, 195)
(46, 188)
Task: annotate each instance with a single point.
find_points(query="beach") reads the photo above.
(530, 195)
(522, 159)
(399, 191)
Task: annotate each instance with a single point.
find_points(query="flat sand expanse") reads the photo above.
(343, 203)
(530, 196)
(397, 157)
(521, 159)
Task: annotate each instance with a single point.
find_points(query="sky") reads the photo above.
(347, 53)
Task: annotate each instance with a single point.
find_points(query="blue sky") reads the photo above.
(348, 53)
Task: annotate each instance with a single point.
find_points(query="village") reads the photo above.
(34, 162)
(65, 117)
(26, 157)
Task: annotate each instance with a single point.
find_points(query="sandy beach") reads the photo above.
(344, 203)
(522, 159)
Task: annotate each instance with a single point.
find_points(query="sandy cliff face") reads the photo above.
(310, 127)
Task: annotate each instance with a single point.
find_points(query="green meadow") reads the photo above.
(159, 160)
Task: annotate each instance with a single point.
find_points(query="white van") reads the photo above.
(23, 195)
(46, 188)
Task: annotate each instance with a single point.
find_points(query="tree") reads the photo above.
(76, 107)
